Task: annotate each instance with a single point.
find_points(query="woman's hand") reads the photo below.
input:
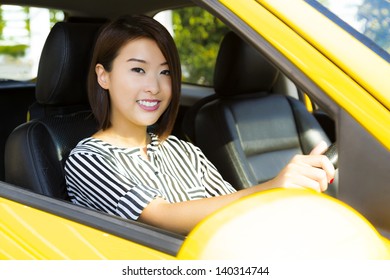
(312, 171)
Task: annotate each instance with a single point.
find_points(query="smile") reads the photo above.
(149, 105)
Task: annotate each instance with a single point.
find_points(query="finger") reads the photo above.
(319, 149)
(311, 177)
(318, 161)
(307, 183)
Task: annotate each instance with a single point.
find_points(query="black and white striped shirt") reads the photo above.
(120, 181)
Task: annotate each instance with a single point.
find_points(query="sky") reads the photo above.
(346, 9)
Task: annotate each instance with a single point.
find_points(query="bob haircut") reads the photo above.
(111, 39)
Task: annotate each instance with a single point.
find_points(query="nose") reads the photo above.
(152, 85)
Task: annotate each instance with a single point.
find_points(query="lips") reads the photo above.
(149, 105)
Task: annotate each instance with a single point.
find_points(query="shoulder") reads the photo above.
(87, 144)
(91, 146)
(175, 145)
(173, 140)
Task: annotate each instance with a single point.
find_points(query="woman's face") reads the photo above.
(139, 84)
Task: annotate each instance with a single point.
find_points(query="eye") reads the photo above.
(166, 72)
(137, 70)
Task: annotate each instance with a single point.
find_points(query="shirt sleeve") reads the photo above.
(211, 179)
(97, 182)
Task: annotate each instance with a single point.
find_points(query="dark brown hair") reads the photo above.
(111, 39)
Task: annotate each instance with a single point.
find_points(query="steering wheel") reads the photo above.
(332, 154)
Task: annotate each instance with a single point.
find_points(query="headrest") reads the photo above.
(64, 63)
(241, 69)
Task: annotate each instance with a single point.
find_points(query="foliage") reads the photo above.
(14, 50)
(26, 10)
(2, 23)
(197, 32)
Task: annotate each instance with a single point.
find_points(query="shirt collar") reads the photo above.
(154, 142)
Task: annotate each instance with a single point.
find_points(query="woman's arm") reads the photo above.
(310, 171)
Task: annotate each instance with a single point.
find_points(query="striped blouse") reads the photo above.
(121, 182)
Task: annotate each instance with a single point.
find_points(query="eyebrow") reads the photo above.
(143, 61)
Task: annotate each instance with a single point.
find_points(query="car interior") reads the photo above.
(249, 122)
(238, 127)
(236, 122)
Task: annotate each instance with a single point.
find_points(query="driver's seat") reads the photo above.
(246, 129)
(36, 150)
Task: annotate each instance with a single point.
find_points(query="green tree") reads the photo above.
(197, 35)
(2, 23)
(375, 14)
(27, 21)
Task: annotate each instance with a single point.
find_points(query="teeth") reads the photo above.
(147, 103)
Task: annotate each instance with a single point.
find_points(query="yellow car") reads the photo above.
(322, 55)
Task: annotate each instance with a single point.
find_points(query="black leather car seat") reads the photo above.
(245, 129)
(36, 150)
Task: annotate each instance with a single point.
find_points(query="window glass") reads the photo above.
(198, 35)
(23, 31)
(367, 20)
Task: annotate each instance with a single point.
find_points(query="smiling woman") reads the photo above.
(133, 166)
(139, 89)
(102, 65)
(151, 177)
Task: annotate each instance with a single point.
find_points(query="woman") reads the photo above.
(126, 170)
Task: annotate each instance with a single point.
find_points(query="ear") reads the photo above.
(102, 76)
